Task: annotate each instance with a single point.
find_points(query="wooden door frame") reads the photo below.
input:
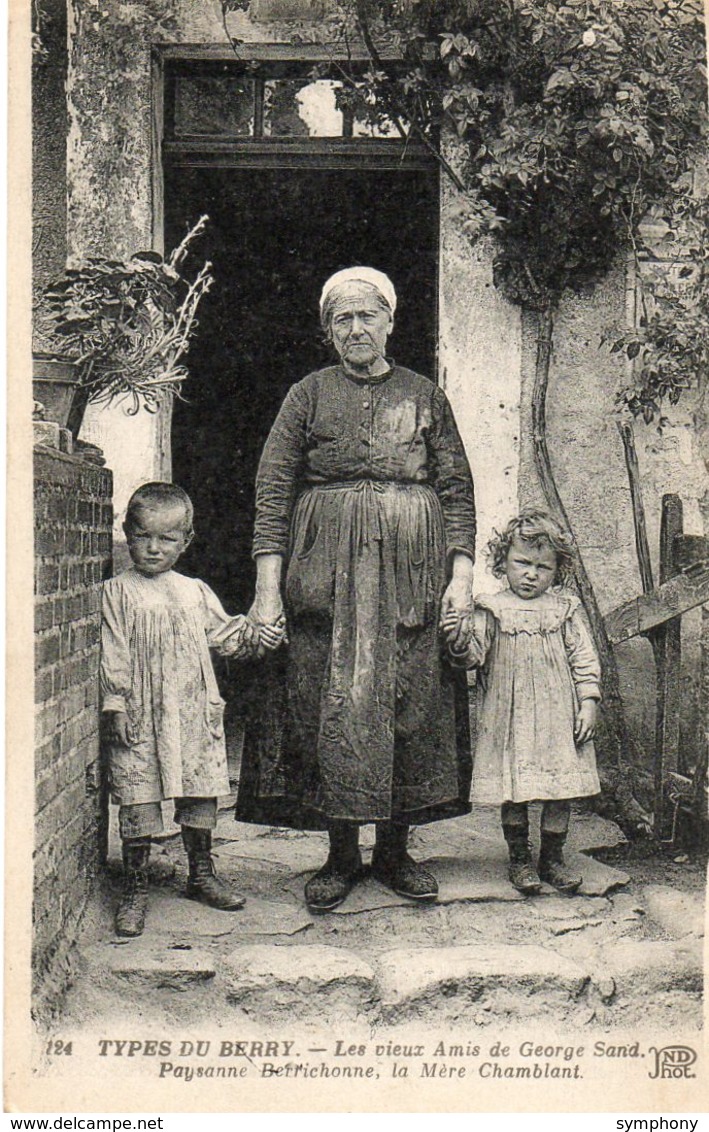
(273, 153)
(324, 153)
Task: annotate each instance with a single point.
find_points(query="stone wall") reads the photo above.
(73, 517)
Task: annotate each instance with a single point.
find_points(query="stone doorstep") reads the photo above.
(311, 973)
(148, 963)
(410, 974)
(652, 966)
(176, 917)
(312, 978)
(679, 914)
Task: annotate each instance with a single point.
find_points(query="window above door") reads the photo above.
(276, 111)
(239, 106)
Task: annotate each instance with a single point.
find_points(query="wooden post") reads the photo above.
(627, 435)
(666, 643)
(699, 800)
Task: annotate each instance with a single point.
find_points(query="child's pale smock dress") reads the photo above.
(155, 665)
(538, 663)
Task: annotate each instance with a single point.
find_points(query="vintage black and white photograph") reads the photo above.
(370, 476)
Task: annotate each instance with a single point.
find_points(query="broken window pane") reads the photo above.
(376, 125)
(214, 105)
(382, 129)
(301, 108)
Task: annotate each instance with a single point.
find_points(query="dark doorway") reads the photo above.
(274, 237)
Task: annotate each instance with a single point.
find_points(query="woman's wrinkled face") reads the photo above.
(157, 537)
(360, 324)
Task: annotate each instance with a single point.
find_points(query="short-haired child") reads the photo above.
(160, 700)
(541, 680)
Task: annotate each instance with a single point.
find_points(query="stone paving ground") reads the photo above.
(625, 952)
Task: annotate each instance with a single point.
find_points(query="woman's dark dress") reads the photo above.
(365, 489)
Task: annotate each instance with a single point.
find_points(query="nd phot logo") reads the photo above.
(673, 1062)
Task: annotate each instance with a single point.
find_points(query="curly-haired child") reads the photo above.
(160, 700)
(541, 676)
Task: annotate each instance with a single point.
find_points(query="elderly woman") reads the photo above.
(364, 494)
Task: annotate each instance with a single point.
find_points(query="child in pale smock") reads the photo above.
(541, 677)
(162, 708)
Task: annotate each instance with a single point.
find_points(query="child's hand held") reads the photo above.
(271, 636)
(456, 629)
(251, 635)
(450, 622)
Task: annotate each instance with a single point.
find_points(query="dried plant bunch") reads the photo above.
(128, 324)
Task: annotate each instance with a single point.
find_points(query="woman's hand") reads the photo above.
(267, 607)
(585, 727)
(458, 597)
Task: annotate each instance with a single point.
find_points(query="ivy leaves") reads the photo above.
(669, 349)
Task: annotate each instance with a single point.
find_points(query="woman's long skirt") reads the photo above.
(360, 718)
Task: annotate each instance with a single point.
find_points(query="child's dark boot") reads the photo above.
(133, 905)
(552, 867)
(522, 873)
(203, 883)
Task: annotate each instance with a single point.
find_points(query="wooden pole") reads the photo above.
(699, 797)
(666, 642)
(642, 546)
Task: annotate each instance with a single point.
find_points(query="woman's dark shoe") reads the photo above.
(553, 869)
(332, 884)
(133, 905)
(203, 883)
(522, 873)
(405, 877)
(393, 866)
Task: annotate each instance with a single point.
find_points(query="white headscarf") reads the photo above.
(369, 275)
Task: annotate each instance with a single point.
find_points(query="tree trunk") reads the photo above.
(617, 765)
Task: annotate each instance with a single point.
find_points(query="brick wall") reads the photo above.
(73, 518)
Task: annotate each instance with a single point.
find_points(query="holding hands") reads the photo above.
(456, 629)
(267, 615)
(457, 604)
(272, 636)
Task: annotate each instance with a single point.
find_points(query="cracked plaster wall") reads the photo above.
(589, 466)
